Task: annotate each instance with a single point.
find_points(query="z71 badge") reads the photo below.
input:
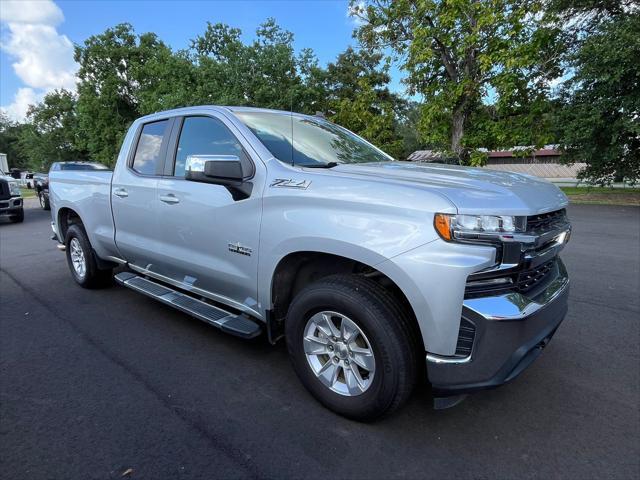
(237, 248)
(290, 183)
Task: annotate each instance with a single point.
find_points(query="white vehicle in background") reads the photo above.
(377, 273)
(4, 164)
(11, 204)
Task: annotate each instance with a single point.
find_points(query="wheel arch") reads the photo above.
(297, 269)
(66, 217)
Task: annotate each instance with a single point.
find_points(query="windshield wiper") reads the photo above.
(321, 165)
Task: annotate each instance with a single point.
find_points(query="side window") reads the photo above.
(149, 147)
(203, 136)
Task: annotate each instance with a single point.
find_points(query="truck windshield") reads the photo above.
(308, 141)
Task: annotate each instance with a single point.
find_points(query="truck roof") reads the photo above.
(218, 108)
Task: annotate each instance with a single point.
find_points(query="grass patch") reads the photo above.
(603, 195)
(599, 190)
(28, 193)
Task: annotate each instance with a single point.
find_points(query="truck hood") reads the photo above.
(471, 190)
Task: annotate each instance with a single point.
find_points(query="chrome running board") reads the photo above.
(238, 325)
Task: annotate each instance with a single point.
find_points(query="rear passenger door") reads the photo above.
(209, 238)
(133, 194)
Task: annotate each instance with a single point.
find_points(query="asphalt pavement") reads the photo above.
(105, 383)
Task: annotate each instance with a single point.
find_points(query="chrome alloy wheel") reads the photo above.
(339, 353)
(41, 198)
(77, 257)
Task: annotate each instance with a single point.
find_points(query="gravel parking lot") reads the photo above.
(97, 384)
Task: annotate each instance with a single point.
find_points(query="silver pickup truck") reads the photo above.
(378, 273)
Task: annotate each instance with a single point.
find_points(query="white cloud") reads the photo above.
(22, 99)
(43, 58)
(25, 11)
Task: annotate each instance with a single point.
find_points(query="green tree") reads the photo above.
(51, 132)
(358, 98)
(264, 73)
(600, 120)
(461, 53)
(117, 67)
(10, 133)
(407, 128)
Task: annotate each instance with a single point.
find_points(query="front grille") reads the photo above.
(465, 338)
(543, 221)
(4, 190)
(520, 281)
(530, 278)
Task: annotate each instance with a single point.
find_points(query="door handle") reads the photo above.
(170, 198)
(120, 192)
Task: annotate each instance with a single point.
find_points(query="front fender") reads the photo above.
(433, 278)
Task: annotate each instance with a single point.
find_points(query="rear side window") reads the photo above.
(148, 151)
(206, 136)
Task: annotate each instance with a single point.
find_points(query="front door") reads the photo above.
(209, 238)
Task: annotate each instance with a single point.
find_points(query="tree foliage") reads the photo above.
(459, 53)
(479, 72)
(599, 122)
(359, 98)
(118, 72)
(51, 132)
(123, 76)
(10, 133)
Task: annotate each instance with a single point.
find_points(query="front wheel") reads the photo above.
(352, 346)
(18, 217)
(81, 261)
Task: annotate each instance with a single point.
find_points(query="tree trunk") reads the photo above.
(457, 131)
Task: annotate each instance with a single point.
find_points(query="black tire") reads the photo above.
(93, 277)
(387, 328)
(17, 218)
(44, 201)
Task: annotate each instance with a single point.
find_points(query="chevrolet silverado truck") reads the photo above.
(377, 273)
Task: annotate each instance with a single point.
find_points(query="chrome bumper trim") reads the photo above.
(435, 358)
(514, 305)
(508, 307)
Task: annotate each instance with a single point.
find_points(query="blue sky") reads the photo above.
(38, 36)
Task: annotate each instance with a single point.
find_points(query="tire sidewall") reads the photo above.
(77, 232)
(44, 201)
(359, 309)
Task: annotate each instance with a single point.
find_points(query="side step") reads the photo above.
(240, 326)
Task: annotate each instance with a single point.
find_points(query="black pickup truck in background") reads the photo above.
(11, 205)
(41, 180)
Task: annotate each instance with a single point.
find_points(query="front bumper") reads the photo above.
(510, 332)
(11, 206)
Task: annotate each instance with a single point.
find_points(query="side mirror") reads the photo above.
(218, 169)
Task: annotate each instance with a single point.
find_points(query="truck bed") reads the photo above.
(89, 194)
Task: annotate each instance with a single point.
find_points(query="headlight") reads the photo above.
(477, 227)
(14, 189)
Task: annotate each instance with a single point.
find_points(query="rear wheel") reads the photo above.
(44, 201)
(350, 343)
(81, 260)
